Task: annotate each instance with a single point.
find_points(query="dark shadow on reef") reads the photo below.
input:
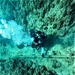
(52, 40)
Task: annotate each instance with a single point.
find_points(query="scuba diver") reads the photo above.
(38, 39)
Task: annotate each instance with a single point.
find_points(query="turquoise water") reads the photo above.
(56, 18)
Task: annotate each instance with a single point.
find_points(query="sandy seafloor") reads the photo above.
(56, 18)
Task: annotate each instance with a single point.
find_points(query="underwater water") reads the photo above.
(21, 53)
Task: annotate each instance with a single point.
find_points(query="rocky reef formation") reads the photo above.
(56, 18)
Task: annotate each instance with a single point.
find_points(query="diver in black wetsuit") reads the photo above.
(38, 40)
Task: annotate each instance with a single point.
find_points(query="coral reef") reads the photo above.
(56, 18)
(23, 66)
